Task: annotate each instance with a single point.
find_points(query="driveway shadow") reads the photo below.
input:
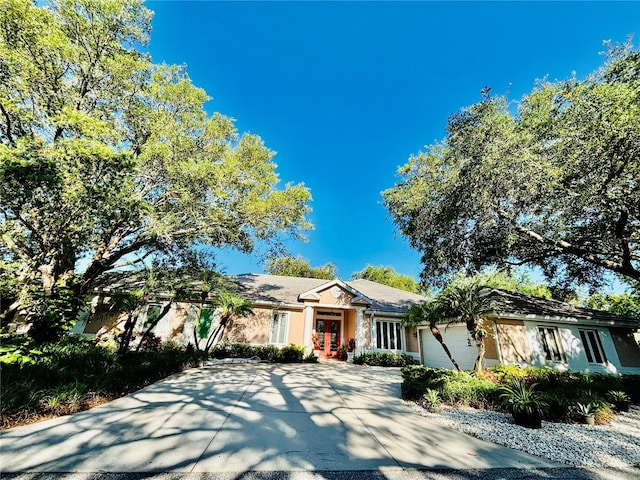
(255, 418)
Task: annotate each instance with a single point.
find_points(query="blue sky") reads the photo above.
(345, 92)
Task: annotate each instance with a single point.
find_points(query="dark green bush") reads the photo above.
(292, 354)
(383, 359)
(418, 378)
(74, 369)
(463, 388)
(269, 353)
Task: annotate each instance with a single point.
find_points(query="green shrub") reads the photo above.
(559, 391)
(504, 371)
(270, 353)
(523, 401)
(292, 354)
(71, 371)
(418, 378)
(519, 398)
(383, 359)
(463, 388)
(431, 401)
(20, 349)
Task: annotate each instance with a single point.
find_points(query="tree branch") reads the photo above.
(8, 129)
(621, 224)
(565, 247)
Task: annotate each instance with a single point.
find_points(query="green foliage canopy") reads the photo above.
(503, 279)
(105, 155)
(299, 267)
(387, 275)
(626, 303)
(554, 185)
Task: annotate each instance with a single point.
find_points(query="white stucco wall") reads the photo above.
(574, 351)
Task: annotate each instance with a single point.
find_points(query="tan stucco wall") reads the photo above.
(512, 338)
(412, 342)
(626, 346)
(366, 329)
(349, 324)
(178, 316)
(105, 324)
(491, 350)
(327, 298)
(296, 327)
(253, 329)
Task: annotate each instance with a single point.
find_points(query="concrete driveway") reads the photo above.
(252, 418)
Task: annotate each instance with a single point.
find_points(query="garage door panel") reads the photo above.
(456, 339)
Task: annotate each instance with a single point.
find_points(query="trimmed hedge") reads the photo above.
(381, 359)
(269, 353)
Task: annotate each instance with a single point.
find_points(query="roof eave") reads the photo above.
(564, 320)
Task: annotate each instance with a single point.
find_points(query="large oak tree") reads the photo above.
(554, 182)
(107, 156)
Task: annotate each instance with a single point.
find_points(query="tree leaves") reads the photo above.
(106, 155)
(553, 185)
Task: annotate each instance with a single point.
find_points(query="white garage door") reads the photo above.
(455, 337)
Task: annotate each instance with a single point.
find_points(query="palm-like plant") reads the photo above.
(431, 313)
(121, 302)
(524, 402)
(229, 305)
(469, 304)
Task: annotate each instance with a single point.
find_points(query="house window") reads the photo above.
(548, 338)
(279, 328)
(152, 314)
(593, 346)
(205, 322)
(388, 335)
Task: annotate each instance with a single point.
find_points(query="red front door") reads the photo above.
(328, 336)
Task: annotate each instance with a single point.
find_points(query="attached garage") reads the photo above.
(456, 339)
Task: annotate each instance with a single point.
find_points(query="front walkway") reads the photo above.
(244, 418)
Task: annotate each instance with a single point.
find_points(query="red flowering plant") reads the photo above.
(315, 340)
(351, 345)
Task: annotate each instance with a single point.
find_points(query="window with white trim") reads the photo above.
(279, 328)
(549, 339)
(593, 346)
(388, 335)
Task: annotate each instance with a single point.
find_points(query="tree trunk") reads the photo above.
(217, 334)
(147, 332)
(438, 336)
(478, 366)
(128, 333)
(196, 320)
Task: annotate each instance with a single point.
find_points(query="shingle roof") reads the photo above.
(272, 288)
(386, 298)
(276, 288)
(510, 303)
(280, 289)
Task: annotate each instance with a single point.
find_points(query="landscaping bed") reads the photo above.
(76, 373)
(557, 395)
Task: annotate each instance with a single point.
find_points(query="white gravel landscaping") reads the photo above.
(615, 445)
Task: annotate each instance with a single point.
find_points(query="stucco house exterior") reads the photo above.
(525, 330)
(522, 330)
(287, 310)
